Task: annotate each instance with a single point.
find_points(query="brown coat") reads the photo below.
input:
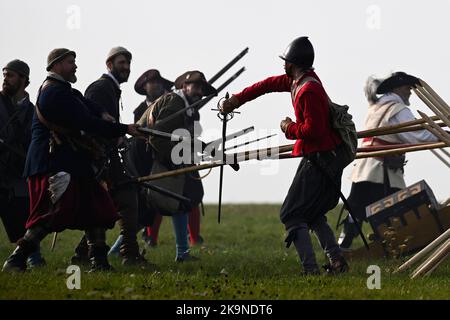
(189, 185)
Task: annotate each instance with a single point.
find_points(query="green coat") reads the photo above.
(188, 185)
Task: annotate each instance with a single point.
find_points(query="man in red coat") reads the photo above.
(314, 190)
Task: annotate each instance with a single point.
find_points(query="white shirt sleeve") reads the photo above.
(412, 136)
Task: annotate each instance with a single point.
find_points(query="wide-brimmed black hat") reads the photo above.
(397, 79)
(195, 77)
(148, 75)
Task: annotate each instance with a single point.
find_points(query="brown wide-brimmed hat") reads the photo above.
(397, 79)
(148, 75)
(195, 77)
(57, 55)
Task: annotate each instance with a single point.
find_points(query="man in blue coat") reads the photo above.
(64, 193)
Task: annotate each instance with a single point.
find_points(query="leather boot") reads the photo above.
(347, 235)
(98, 257)
(17, 261)
(81, 256)
(336, 266)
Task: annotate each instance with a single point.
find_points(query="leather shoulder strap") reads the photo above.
(296, 87)
(45, 122)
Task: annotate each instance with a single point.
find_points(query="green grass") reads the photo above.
(242, 258)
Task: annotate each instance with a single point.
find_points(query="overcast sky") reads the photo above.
(352, 40)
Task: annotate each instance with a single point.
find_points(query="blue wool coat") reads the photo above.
(65, 107)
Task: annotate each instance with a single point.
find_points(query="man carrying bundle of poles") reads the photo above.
(376, 177)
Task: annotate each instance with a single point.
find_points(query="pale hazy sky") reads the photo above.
(352, 40)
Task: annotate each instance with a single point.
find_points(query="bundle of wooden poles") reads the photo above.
(432, 255)
(433, 124)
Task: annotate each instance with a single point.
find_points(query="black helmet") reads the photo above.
(299, 52)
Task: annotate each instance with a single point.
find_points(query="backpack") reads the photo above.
(341, 121)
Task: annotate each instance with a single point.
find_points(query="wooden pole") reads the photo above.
(436, 257)
(414, 124)
(390, 146)
(258, 154)
(430, 105)
(437, 131)
(434, 93)
(280, 153)
(437, 264)
(428, 146)
(418, 256)
(432, 99)
(437, 155)
(55, 237)
(445, 152)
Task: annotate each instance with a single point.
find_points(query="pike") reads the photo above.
(199, 104)
(224, 85)
(416, 258)
(407, 126)
(166, 192)
(390, 147)
(433, 261)
(383, 153)
(191, 106)
(379, 151)
(435, 129)
(441, 104)
(440, 110)
(437, 155)
(277, 153)
(163, 134)
(228, 66)
(259, 154)
(231, 136)
(249, 142)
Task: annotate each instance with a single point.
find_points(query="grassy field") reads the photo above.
(242, 258)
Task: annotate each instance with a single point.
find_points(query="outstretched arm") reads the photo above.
(70, 112)
(273, 84)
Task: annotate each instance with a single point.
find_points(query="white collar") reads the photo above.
(56, 76)
(390, 97)
(109, 74)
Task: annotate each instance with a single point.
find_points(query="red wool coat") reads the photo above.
(311, 129)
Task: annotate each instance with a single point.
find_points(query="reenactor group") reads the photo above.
(65, 161)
